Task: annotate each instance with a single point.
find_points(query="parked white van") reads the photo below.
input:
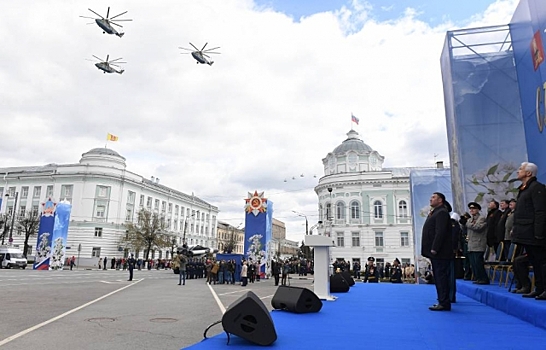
(12, 257)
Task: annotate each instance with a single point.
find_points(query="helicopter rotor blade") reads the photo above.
(211, 49)
(207, 56)
(119, 14)
(119, 25)
(100, 59)
(120, 20)
(194, 47)
(183, 48)
(96, 13)
(107, 56)
(214, 53)
(117, 59)
(87, 17)
(204, 47)
(108, 12)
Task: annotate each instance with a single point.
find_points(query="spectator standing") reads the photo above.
(529, 225)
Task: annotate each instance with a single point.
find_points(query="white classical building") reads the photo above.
(104, 196)
(363, 207)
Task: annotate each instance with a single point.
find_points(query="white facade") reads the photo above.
(104, 196)
(364, 208)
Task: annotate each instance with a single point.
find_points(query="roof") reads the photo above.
(352, 143)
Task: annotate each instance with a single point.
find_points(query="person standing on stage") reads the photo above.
(529, 225)
(396, 272)
(436, 244)
(477, 243)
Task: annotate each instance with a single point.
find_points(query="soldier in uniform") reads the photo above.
(371, 274)
(396, 272)
(130, 266)
(182, 261)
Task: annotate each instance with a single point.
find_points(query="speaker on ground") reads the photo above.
(248, 318)
(348, 278)
(338, 284)
(296, 299)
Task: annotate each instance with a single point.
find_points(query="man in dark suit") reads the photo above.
(530, 223)
(131, 266)
(436, 244)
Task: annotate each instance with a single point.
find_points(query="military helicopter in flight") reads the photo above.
(106, 23)
(201, 55)
(107, 66)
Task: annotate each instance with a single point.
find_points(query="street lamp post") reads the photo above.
(10, 240)
(306, 222)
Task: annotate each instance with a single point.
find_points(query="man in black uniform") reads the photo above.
(396, 272)
(130, 266)
(371, 273)
(436, 244)
(276, 271)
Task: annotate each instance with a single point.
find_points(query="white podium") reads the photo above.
(321, 245)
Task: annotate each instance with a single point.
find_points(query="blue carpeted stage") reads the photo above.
(396, 316)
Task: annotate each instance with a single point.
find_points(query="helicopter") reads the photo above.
(201, 55)
(107, 66)
(106, 23)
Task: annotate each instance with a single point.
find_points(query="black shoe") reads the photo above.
(531, 295)
(542, 296)
(482, 282)
(439, 308)
(178, 283)
(522, 291)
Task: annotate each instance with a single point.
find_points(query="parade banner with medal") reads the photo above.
(52, 235)
(258, 228)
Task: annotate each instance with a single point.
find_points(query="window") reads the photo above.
(35, 210)
(340, 239)
(405, 261)
(24, 192)
(328, 211)
(11, 192)
(2, 191)
(176, 225)
(96, 252)
(66, 191)
(163, 206)
(149, 203)
(176, 210)
(49, 191)
(402, 209)
(156, 204)
(141, 200)
(378, 210)
(356, 239)
(170, 207)
(22, 210)
(131, 197)
(379, 239)
(10, 211)
(100, 211)
(98, 231)
(129, 214)
(340, 211)
(404, 239)
(103, 191)
(355, 210)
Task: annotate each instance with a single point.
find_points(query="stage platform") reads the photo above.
(527, 309)
(396, 316)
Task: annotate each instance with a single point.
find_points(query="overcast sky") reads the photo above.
(278, 98)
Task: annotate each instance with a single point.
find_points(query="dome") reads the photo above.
(104, 157)
(102, 151)
(352, 143)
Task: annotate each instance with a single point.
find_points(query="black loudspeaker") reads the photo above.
(296, 299)
(338, 284)
(348, 278)
(248, 318)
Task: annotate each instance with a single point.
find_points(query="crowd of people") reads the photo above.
(372, 273)
(512, 225)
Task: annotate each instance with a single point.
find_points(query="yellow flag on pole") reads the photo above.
(111, 137)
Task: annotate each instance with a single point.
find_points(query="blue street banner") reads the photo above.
(60, 234)
(52, 235)
(45, 231)
(258, 228)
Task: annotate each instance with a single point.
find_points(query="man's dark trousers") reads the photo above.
(441, 271)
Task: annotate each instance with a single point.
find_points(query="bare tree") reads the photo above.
(4, 226)
(229, 246)
(29, 225)
(148, 232)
